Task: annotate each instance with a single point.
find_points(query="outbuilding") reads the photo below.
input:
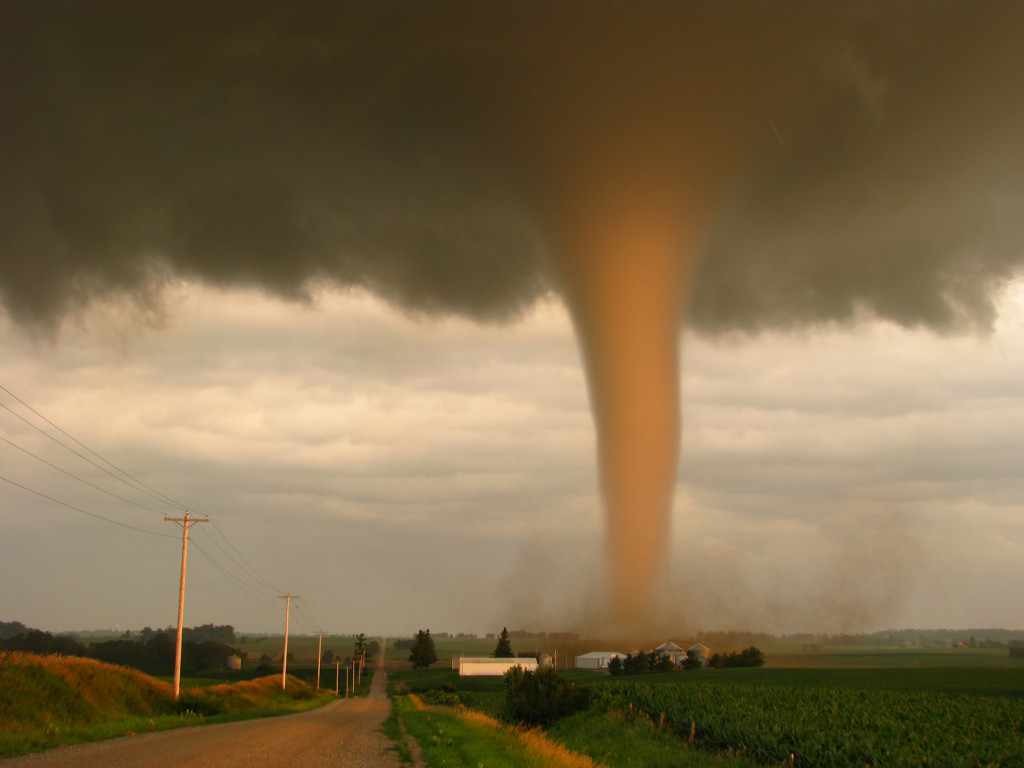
(487, 666)
(701, 651)
(596, 659)
(668, 648)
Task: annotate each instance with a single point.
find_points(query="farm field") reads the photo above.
(862, 657)
(896, 711)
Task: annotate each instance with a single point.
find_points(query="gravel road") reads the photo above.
(342, 733)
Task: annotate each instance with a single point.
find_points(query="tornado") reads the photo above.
(626, 278)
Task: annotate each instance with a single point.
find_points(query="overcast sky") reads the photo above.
(318, 270)
(399, 473)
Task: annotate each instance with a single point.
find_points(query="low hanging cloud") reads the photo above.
(845, 159)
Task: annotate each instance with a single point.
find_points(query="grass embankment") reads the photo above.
(50, 701)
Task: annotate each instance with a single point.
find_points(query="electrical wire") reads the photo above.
(272, 587)
(134, 482)
(79, 479)
(238, 585)
(83, 511)
(247, 580)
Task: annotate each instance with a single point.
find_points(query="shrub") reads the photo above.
(541, 697)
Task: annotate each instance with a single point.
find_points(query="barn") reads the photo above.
(596, 659)
(483, 666)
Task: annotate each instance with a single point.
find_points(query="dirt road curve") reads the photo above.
(343, 733)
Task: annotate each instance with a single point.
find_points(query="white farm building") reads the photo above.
(482, 666)
(596, 659)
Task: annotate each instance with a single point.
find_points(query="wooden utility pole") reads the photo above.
(319, 653)
(284, 659)
(337, 677)
(185, 522)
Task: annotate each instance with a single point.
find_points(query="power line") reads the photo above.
(244, 576)
(239, 585)
(135, 482)
(83, 511)
(252, 569)
(246, 568)
(76, 477)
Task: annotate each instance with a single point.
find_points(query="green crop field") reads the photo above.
(859, 656)
(834, 726)
(859, 707)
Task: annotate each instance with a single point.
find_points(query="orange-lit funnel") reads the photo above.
(625, 274)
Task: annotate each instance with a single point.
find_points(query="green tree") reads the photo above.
(693, 661)
(360, 646)
(751, 657)
(541, 697)
(423, 653)
(665, 663)
(503, 650)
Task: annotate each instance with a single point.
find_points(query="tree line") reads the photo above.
(154, 655)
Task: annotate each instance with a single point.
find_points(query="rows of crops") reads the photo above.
(835, 727)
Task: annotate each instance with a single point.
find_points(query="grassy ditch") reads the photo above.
(464, 738)
(458, 724)
(51, 701)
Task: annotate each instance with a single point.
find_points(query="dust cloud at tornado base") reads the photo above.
(731, 169)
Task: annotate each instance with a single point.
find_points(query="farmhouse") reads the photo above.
(596, 659)
(482, 666)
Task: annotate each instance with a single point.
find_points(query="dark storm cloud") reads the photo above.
(846, 156)
(902, 196)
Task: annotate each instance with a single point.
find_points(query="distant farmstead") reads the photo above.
(596, 659)
(668, 648)
(486, 666)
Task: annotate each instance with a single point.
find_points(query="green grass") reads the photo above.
(450, 741)
(49, 701)
(618, 740)
(392, 729)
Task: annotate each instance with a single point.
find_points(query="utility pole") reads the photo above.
(337, 677)
(319, 653)
(186, 522)
(284, 659)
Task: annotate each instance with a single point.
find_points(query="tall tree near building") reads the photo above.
(423, 653)
(503, 650)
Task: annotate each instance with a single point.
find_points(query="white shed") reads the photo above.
(474, 666)
(596, 659)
